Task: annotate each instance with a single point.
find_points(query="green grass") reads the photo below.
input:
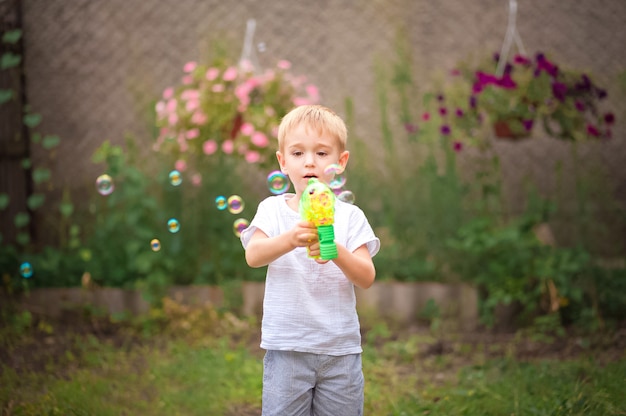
(222, 375)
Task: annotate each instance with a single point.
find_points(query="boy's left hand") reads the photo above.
(314, 251)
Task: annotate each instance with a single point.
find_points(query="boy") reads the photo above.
(310, 327)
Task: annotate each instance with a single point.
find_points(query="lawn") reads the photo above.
(180, 361)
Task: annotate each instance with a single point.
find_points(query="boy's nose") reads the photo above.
(309, 160)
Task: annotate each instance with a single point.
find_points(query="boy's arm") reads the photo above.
(357, 265)
(262, 250)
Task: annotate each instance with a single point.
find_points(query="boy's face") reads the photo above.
(305, 154)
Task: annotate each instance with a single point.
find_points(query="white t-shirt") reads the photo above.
(310, 307)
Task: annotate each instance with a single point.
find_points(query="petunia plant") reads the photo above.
(567, 103)
(228, 109)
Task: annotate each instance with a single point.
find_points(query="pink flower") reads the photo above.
(457, 146)
(180, 165)
(199, 118)
(230, 74)
(192, 134)
(252, 156)
(168, 93)
(259, 139)
(313, 92)
(189, 67)
(189, 95)
(283, 64)
(172, 119)
(247, 129)
(426, 116)
(196, 179)
(228, 146)
(188, 80)
(192, 105)
(217, 88)
(171, 105)
(209, 147)
(212, 73)
(298, 101)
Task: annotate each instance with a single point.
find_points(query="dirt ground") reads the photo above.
(49, 340)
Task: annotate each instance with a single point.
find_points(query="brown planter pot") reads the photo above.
(503, 130)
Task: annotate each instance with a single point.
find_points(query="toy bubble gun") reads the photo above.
(317, 205)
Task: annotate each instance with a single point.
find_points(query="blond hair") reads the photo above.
(322, 119)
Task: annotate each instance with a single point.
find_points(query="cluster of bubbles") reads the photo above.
(337, 182)
(277, 183)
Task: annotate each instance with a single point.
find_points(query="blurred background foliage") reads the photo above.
(435, 197)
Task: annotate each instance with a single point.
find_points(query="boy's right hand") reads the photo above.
(304, 234)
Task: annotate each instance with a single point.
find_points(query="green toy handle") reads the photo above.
(328, 248)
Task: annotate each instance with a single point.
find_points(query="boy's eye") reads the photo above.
(297, 153)
(322, 153)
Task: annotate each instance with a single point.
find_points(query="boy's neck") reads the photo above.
(293, 202)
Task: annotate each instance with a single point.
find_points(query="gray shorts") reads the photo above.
(304, 384)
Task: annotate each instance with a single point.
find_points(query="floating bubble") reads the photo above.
(338, 182)
(239, 225)
(333, 169)
(155, 244)
(176, 178)
(104, 184)
(173, 225)
(235, 204)
(26, 270)
(277, 182)
(346, 196)
(221, 203)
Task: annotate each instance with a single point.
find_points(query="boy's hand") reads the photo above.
(305, 234)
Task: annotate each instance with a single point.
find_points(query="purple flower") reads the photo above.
(440, 97)
(459, 112)
(410, 128)
(472, 101)
(559, 90)
(592, 130)
(521, 60)
(457, 146)
(443, 111)
(543, 64)
(445, 130)
(609, 118)
(580, 106)
(507, 82)
(528, 124)
(601, 93)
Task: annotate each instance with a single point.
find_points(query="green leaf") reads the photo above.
(41, 175)
(5, 96)
(35, 201)
(66, 209)
(21, 219)
(4, 201)
(22, 238)
(26, 164)
(12, 36)
(35, 138)
(50, 141)
(9, 60)
(32, 120)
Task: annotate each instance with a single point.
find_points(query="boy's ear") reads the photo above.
(343, 158)
(281, 161)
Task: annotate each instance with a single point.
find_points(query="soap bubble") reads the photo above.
(235, 204)
(104, 184)
(277, 182)
(26, 270)
(338, 182)
(155, 244)
(346, 196)
(176, 178)
(333, 169)
(239, 225)
(221, 203)
(173, 225)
